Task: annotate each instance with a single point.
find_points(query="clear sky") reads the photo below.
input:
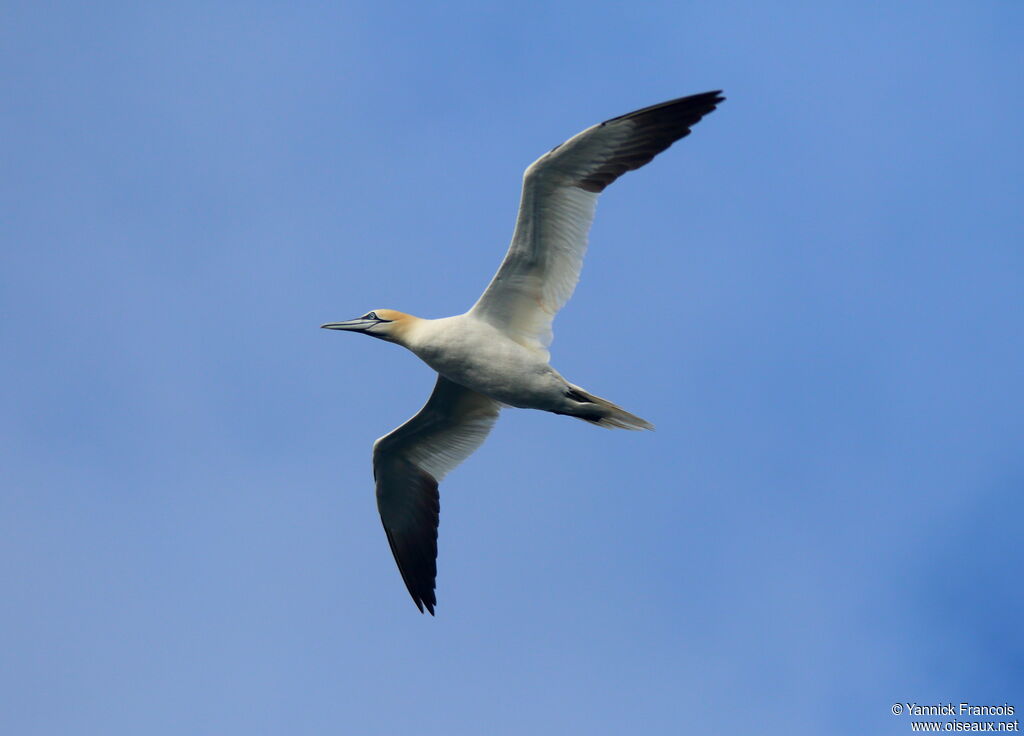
(817, 298)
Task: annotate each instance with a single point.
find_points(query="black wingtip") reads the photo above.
(414, 546)
(653, 129)
(692, 106)
(422, 603)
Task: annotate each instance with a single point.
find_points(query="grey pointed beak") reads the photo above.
(355, 325)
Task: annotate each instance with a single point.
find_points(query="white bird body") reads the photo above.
(473, 353)
(496, 354)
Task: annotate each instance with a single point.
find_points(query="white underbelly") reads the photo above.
(499, 368)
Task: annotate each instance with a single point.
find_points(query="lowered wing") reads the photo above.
(408, 464)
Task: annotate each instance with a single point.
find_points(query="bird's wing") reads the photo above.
(560, 191)
(408, 464)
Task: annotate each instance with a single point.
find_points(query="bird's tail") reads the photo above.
(602, 412)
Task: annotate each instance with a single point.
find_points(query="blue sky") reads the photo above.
(817, 298)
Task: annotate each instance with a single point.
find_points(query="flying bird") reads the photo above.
(496, 355)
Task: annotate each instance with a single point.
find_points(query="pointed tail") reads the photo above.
(602, 412)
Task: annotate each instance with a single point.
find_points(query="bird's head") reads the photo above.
(386, 324)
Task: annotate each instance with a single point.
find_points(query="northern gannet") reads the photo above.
(496, 354)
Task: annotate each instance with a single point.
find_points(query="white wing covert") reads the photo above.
(560, 191)
(408, 464)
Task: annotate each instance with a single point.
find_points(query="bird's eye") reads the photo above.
(370, 315)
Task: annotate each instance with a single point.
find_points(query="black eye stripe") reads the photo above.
(373, 316)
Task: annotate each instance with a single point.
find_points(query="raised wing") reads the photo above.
(560, 191)
(408, 464)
